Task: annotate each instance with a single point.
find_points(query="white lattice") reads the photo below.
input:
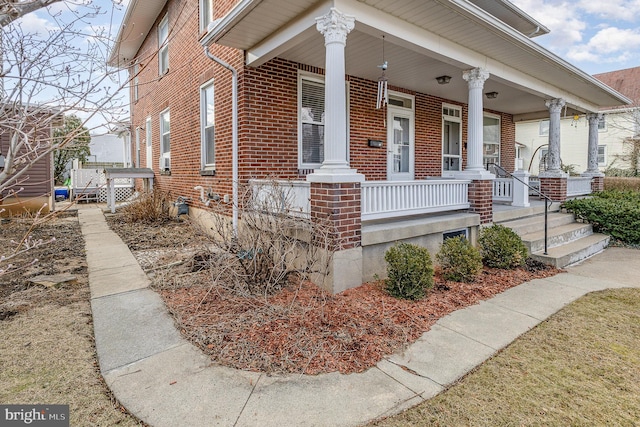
(122, 193)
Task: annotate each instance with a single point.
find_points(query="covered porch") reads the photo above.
(471, 64)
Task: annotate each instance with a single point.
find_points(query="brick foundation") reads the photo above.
(597, 184)
(481, 199)
(339, 205)
(554, 188)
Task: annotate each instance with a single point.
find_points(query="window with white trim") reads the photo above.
(451, 138)
(602, 155)
(602, 124)
(163, 45)
(136, 71)
(165, 141)
(207, 125)
(206, 14)
(311, 135)
(543, 127)
(491, 139)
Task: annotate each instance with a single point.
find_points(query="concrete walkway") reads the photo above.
(165, 381)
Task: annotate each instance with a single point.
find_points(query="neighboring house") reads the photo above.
(33, 186)
(615, 127)
(307, 75)
(110, 150)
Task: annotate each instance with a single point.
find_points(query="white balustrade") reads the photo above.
(281, 195)
(503, 189)
(578, 186)
(94, 178)
(386, 199)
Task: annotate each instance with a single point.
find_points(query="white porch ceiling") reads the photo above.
(423, 39)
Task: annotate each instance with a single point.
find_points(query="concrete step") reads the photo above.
(504, 213)
(556, 236)
(573, 252)
(535, 223)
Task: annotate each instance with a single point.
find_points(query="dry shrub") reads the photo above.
(622, 183)
(149, 207)
(274, 242)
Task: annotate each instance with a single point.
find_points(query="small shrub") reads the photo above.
(409, 271)
(501, 247)
(616, 213)
(459, 260)
(151, 207)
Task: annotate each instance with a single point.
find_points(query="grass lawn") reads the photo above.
(581, 367)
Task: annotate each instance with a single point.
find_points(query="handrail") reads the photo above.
(546, 206)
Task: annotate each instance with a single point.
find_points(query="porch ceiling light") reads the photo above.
(443, 80)
(491, 95)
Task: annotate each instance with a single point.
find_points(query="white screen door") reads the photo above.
(400, 143)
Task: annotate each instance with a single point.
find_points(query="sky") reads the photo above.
(594, 35)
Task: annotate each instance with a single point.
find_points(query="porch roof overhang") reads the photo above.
(424, 39)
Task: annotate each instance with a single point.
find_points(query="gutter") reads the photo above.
(234, 135)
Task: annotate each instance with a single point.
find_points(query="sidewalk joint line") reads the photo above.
(246, 402)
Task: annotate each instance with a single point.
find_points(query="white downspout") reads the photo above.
(234, 135)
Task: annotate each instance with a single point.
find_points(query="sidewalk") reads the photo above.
(165, 381)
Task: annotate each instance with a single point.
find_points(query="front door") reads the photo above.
(400, 144)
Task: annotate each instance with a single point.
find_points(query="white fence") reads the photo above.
(385, 199)
(379, 199)
(91, 185)
(578, 186)
(503, 189)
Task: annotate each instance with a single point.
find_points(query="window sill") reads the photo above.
(207, 172)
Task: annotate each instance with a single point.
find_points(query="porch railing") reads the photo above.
(283, 195)
(379, 199)
(94, 178)
(386, 199)
(578, 186)
(503, 189)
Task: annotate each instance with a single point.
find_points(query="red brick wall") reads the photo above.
(480, 199)
(268, 122)
(554, 188)
(338, 207)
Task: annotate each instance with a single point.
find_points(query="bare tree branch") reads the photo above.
(10, 10)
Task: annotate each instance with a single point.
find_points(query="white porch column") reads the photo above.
(475, 169)
(592, 159)
(555, 108)
(335, 26)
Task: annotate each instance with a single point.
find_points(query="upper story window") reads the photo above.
(602, 123)
(136, 71)
(163, 45)
(543, 128)
(207, 125)
(206, 14)
(165, 141)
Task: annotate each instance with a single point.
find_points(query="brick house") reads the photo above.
(306, 76)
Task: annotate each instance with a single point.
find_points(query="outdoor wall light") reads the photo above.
(443, 80)
(491, 95)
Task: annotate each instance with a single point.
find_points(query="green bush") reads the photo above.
(501, 247)
(459, 260)
(409, 271)
(612, 212)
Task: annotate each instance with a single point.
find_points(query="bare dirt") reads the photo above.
(47, 350)
(301, 329)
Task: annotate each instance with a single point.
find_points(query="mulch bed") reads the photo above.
(303, 329)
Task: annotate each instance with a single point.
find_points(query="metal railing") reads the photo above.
(547, 203)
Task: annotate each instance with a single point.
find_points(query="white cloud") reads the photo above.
(33, 24)
(566, 27)
(609, 45)
(625, 10)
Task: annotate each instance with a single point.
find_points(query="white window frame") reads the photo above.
(604, 155)
(163, 45)
(148, 142)
(203, 125)
(451, 113)
(136, 71)
(138, 130)
(317, 79)
(499, 118)
(543, 127)
(206, 14)
(165, 154)
(602, 124)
